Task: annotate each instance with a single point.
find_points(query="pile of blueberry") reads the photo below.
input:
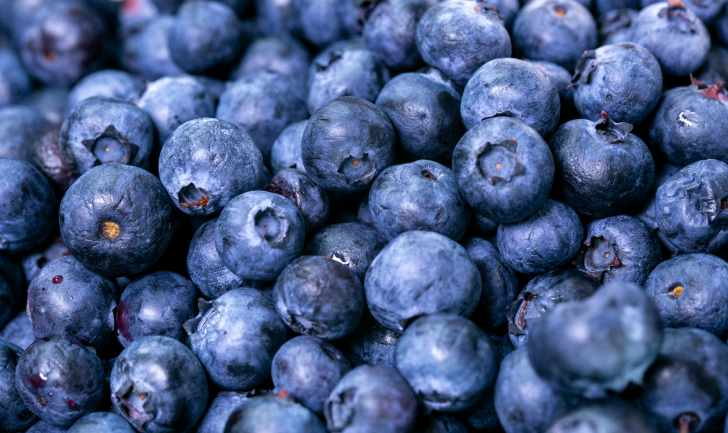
(363, 216)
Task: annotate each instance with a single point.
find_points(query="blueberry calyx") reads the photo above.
(483, 8)
(340, 409)
(190, 196)
(109, 230)
(676, 290)
(498, 163)
(110, 147)
(195, 324)
(686, 422)
(334, 56)
(600, 256)
(712, 201)
(271, 227)
(282, 188)
(676, 14)
(584, 66)
(716, 91)
(519, 310)
(615, 132)
(358, 169)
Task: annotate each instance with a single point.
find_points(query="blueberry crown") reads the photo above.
(584, 67)
(615, 132)
(716, 91)
(677, 15)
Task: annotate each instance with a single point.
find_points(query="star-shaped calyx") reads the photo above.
(677, 15)
(498, 163)
(110, 147)
(613, 131)
(584, 66)
(600, 256)
(716, 91)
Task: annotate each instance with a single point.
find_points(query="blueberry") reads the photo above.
(204, 35)
(157, 304)
(345, 68)
(238, 6)
(109, 83)
(49, 102)
(102, 131)
(483, 226)
(273, 415)
(286, 150)
(647, 214)
(158, 386)
(12, 290)
(206, 163)
(302, 191)
(319, 297)
(221, 407)
(372, 342)
(134, 16)
(504, 169)
(284, 55)
(371, 398)
(707, 10)
(18, 126)
(715, 68)
(27, 206)
(688, 124)
(691, 206)
(172, 101)
(540, 295)
(721, 27)
(258, 234)
(524, 402)
(363, 215)
(67, 299)
(14, 415)
(557, 31)
(619, 248)
(674, 35)
(18, 331)
(346, 144)
(441, 424)
(101, 421)
(235, 337)
(390, 31)
(425, 112)
(60, 380)
(531, 97)
(604, 6)
(44, 427)
(598, 86)
(352, 244)
(562, 344)
(686, 290)
(459, 36)
(129, 226)
(500, 285)
(615, 26)
(605, 416)
(542, 242)
(146, 52)
(278, 17)
(263, 104)
(686, 388)
(421, 273)
(46, 156)
(63, 43)
(14, 81)
(308, 368)
(323, 22)
(561, 79)
(603, 170)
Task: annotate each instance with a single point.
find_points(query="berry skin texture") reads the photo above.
(605, 416)
(221, 407)
(274, 415)
(352, 244)
(101, 421)
(14, 414)
(18, 125)
(286, 150)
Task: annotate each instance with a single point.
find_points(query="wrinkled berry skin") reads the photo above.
(457, 37)
(347, 144)
(524, 402)
(540, 295)
(421, 273)
(108, 83)
(542, 242)
(688, 124)
(602, 169)
(65, 298)
(308, 368)
(102, 131)
(286, 150)
(689, 209)
(206, 163)
(507, 145)
(562, 343)
(319, 297)
(129, 226)
(603, 416)
(372, 342)
(619, 248)
(18, 331)
(352, 244)
(274, 415)
(14, 81)
(12, 290)
(206, 268)
(156, 304)
(557, 31)
(235, 337)
(159, 386)
(452, 383)
(18, 126)
(281, 54)
(511, 88)
(500, 286)
(302, 191)
(28, 206)
(615, 26)
(258, 234)
(60, 380)
(263, 104)
(101, 422)
(146, 52)
(203, 35)
(688, 292)
(14, 415)
(221, 407)
(690, 377)
(425, 112)
(674, 35)
(624, 80)
(371, 398)
(46, 156)
(421, 195)
(346, 68)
